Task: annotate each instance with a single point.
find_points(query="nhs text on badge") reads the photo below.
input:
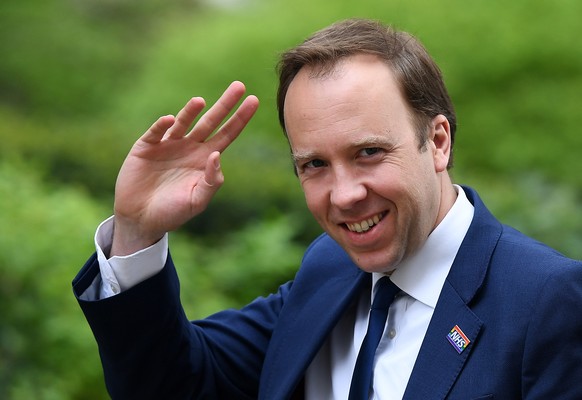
(458, 339)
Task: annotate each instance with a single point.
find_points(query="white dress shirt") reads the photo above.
(420, 277)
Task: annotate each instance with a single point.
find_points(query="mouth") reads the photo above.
(366, 224)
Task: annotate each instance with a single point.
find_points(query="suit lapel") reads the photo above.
(443, 352)
(306, 321)
(442, 355)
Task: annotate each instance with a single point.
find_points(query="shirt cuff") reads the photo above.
(121, 273)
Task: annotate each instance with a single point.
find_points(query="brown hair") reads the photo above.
(419, 77)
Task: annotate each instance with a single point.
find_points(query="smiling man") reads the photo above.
(373, 185)
(414, 291)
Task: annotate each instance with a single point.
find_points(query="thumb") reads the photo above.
(208, 185)
(213, 176)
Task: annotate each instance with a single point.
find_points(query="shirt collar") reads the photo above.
(423, 274)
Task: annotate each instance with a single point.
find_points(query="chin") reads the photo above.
(375, 266)
(383, 261)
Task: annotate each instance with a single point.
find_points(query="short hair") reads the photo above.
(417, 74)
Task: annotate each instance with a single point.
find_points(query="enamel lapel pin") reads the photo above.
(458, 339)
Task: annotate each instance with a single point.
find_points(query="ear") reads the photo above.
(440, 141)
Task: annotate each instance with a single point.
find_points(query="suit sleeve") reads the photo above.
(149, 349)
(553, 348)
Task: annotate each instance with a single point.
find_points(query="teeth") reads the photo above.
(365, 225)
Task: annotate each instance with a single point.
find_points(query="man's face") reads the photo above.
(366, 179)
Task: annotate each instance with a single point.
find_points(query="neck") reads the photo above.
(448, 197)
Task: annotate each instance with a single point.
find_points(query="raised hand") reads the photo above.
(171, 174)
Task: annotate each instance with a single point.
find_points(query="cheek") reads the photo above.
(314, 198)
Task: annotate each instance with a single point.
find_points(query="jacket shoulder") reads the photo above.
(324, 253)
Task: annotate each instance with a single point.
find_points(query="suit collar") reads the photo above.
(472, 262)
(423, 274)
(439, 363)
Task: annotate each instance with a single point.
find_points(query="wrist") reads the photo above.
(130, 238)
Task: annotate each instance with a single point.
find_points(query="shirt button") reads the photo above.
(392, 333)
(114, 289)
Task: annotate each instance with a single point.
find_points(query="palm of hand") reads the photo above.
(164, 183)
(170, 174)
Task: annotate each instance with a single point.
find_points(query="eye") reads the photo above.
(314, 164)
(369, 151)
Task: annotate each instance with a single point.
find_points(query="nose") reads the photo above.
(347, 190)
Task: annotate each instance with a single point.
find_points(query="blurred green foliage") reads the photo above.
(42, 334)
(81, 79)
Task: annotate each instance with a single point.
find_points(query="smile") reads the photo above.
(365, 225)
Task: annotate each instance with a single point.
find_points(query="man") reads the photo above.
(482, 311)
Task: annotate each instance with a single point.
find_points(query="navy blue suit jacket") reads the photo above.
(517, 301)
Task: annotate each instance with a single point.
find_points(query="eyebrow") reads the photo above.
(367, 141)
(374, 140)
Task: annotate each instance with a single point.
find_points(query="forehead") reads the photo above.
(359, 96)
(361, 74)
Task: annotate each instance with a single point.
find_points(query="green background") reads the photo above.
(80, 80)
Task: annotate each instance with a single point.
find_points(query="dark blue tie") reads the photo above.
(362, 377)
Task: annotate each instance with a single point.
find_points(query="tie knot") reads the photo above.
(385, 292)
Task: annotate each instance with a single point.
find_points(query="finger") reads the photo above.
(186, 117)
(235, 124)
(218, 112)
(209, 185)
(156, 132)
